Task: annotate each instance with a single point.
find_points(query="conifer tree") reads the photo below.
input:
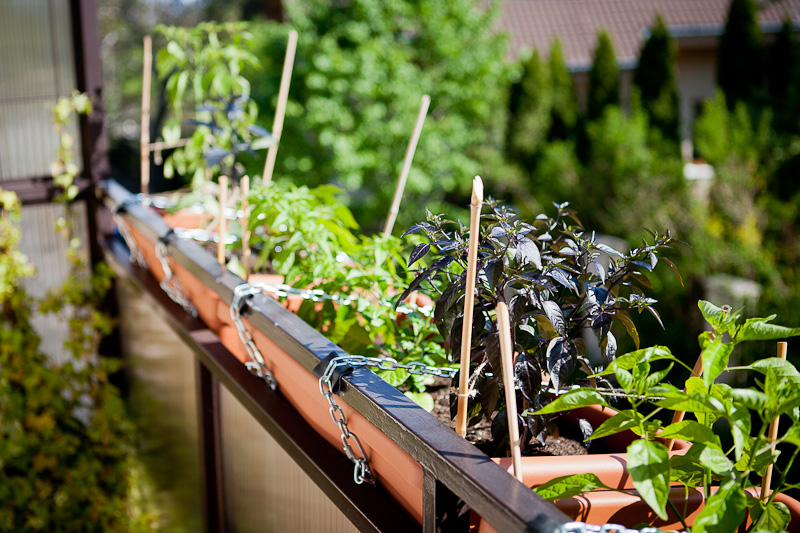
(656, 78)
(530, 106)
(603, 78)
(740, 72)
(783, 78)
(564, 112)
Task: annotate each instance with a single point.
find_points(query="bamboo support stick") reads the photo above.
(144, 139)
(280, 110)
(222, 225)
(772, 434)
(507, 359)
(469, 303)
(678, 416)
(245, 184)
(409, 157)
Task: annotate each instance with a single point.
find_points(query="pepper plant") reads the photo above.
(311, 238)
(744, 414)
(202, 68)
(552, 275)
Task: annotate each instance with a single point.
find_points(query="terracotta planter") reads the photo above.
(611, 507)
(611, 468)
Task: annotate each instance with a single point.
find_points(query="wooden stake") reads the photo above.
(507, 359)
(245, 222)
(222, 226)
(772, 434)
(410, 150)
(469, 303)
(283, 96)
(678, 416)
(144, 139)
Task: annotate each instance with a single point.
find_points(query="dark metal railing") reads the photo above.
(454, 471)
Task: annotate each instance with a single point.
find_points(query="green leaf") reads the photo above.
(569, 486)
(423, 399)
(692, 431)
(763, 457)
(395, 378)
(759, 329)
(782, 369)
(693, 403)
(740, 428)
(772, 517)
(721, 321)
(622, 421)
(574, 399)
(712, 458)
(648, 465)
(632, 359)
(724, 511)
(715, 359)
(685, 470)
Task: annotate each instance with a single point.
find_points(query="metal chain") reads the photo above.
(172, 285)
(361, 471)
(580, 527)
(256, 365)
(125, 231)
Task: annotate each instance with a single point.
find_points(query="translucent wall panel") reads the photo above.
(163, 401)
(37, 66)
(46, 250)
(265, 491)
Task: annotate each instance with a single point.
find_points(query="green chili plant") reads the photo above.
(311, 238)
(742, 414)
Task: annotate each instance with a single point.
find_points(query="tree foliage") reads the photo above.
(603, 78)
(784, 80)
(740, 64)
(531, 105)
(656, 78)
(361, 70)
(564, 113)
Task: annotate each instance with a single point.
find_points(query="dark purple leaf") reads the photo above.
(653, 260)
(416, 228)
(445, 301)
(446, 245)
(439, 264)
(497, 232)
(555, 316)
(587, 430)
(607, 249)
(258, 131)
(530, 252)
(561, 356)
(418, 253)
(215, 155)
(559, 276)
(493, 270)
(643, 265)
(493, 354)
(528, 375)
(610, 347)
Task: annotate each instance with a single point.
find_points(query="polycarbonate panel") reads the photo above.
(265, 491)
(46, 250)
(163, 401)
(37, 65)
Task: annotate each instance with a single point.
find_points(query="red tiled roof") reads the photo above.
(535, 23)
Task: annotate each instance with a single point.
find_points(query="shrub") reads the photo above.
(603, 78)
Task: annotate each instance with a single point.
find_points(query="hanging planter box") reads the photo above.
(292, 349)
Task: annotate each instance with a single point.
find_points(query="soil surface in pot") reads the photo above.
(566, 438)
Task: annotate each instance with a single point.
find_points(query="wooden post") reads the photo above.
(772, 435)
(507, 359)
(283, 96)
(222, 226)
(245, 222)
(469, 304)
(410, 150)
(678, 416)
(144, 138)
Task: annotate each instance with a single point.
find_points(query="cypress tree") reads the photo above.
(740, 72)
(530, 105)
(564, 112)
(783, 77)
(656, 78)
(603, 78)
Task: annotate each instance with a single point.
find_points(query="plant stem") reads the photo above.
(678, 514)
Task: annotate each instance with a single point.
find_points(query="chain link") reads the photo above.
(172, 285)
(580, 527)
(361, 471)
(256, 365)
(125, 231)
